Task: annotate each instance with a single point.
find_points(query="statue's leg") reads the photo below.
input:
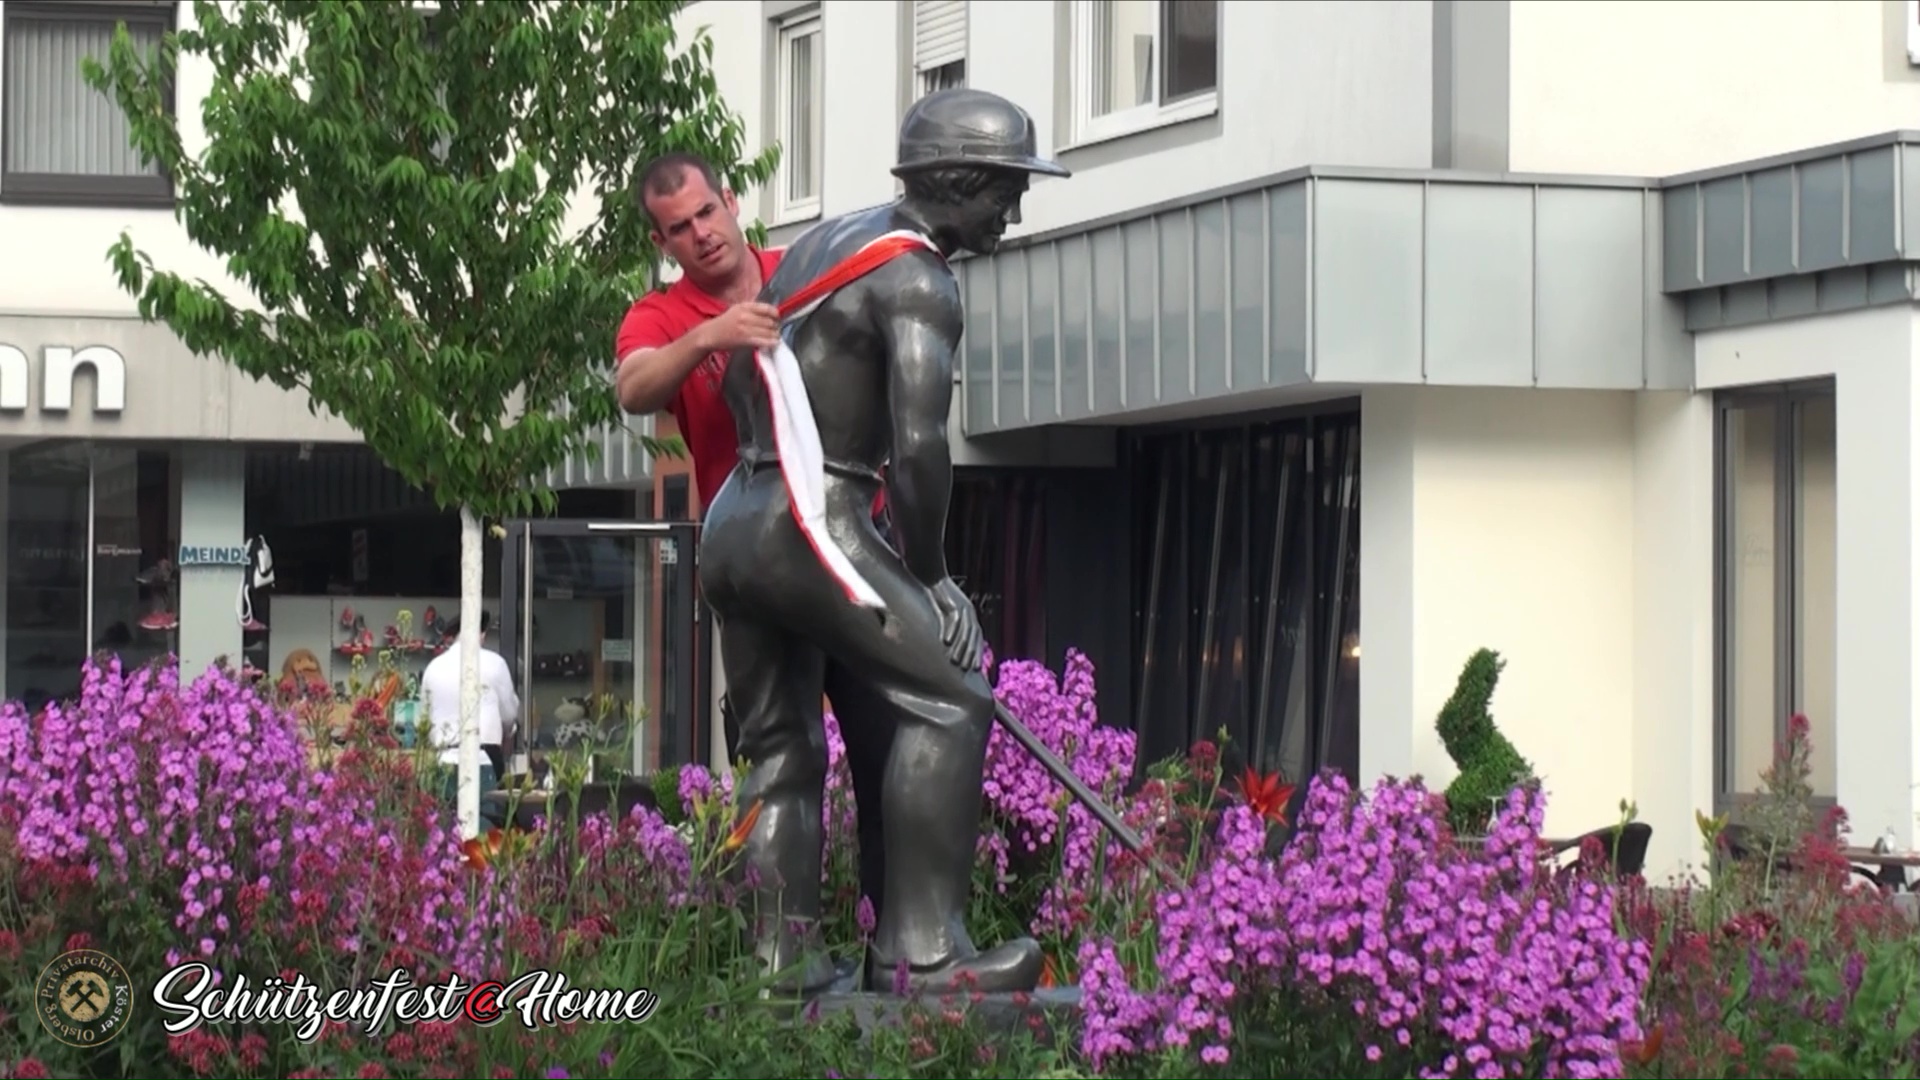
(896, 667)
(774, 682)
(867, 753)
(867, 729)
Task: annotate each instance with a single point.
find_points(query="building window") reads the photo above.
(1140, 64)
(1774, 580)
(939, 45)
(48, 503)
(136, 531)
(66, 143)
(800, 115)
(1246, 565)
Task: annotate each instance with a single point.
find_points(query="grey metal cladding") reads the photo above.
(1324, 276)
(1845, 207)
(617, 460)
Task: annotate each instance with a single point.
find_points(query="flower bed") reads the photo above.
(160, 822)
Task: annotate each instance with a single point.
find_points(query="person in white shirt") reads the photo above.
(499, 705)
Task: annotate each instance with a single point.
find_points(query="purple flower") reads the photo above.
(1478, 950)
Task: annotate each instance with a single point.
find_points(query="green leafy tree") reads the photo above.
(401, 190)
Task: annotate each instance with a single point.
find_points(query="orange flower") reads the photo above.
(1266, 795)
(737, 839)
(1642, 1052)
(481, 850)
(1049, 975)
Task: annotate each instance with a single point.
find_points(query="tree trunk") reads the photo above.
(470, 578)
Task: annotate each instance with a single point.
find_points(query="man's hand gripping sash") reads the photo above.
(795, 432)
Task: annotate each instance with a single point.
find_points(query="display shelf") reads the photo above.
(569, 647)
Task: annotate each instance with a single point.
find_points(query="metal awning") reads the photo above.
(1338, 278)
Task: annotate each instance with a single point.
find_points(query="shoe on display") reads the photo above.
(259, 563)
(158, 574)
(159, 620)
(346, 618)
(253, 626)
(360, 644)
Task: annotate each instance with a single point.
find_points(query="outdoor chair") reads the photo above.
(1623, 848)
(1742, 846)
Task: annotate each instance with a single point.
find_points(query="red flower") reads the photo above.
(1266, 795)
(30, 1069)
(737, 839)
(480, 850)
(1642, 1052)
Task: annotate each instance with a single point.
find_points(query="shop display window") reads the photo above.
(47, 631)
(136, 533)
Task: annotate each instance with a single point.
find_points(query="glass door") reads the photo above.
(599, 620)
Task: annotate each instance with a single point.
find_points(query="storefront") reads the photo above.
(158, 502)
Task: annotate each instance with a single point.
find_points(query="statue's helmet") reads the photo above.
(964, 127)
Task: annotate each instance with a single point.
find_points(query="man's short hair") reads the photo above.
(667, 174)
(486, 624)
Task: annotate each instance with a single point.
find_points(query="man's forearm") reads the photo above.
(647, 380)
(919, 484)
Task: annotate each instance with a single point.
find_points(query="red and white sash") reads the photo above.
(795, 432)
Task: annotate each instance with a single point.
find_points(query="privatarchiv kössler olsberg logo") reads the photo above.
(84, 997)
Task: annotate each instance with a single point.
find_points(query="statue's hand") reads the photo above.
(959, 625)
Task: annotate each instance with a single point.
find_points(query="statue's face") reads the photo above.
(986, 215)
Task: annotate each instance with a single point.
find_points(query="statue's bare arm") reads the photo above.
(920, 323)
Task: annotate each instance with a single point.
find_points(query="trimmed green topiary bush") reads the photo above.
(1489, 765)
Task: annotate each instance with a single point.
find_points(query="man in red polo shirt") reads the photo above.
(673, 345)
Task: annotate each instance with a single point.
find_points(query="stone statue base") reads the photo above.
(1055, 1012)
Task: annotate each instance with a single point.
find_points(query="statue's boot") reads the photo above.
(1011, 967)
(782, 857)
(794, 956)
(932, 796)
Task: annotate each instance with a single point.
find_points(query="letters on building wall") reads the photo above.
(60, 368)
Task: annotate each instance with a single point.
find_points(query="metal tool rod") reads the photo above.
(1075, 786)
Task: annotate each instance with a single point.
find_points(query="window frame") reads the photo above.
(84, 189)
(927, 77)
(1088, 128)
(1787, 399)
(787, 30)
(926, 81)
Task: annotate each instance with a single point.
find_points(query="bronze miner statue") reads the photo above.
(810, 598)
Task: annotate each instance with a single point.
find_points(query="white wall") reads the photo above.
(1871, 356)
(1672, 708)
(1658, 87)
(1503, 519)
(1314, 81)
(56, 257)
(1573, 533)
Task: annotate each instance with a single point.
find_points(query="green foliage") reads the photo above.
(395, 196)
(666, 794)
(1489, 765)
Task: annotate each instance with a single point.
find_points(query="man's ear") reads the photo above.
(732, 203)
(659, 242)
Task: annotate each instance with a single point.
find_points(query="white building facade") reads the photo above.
(1582, 331)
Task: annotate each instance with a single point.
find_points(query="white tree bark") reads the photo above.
(470, 578)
